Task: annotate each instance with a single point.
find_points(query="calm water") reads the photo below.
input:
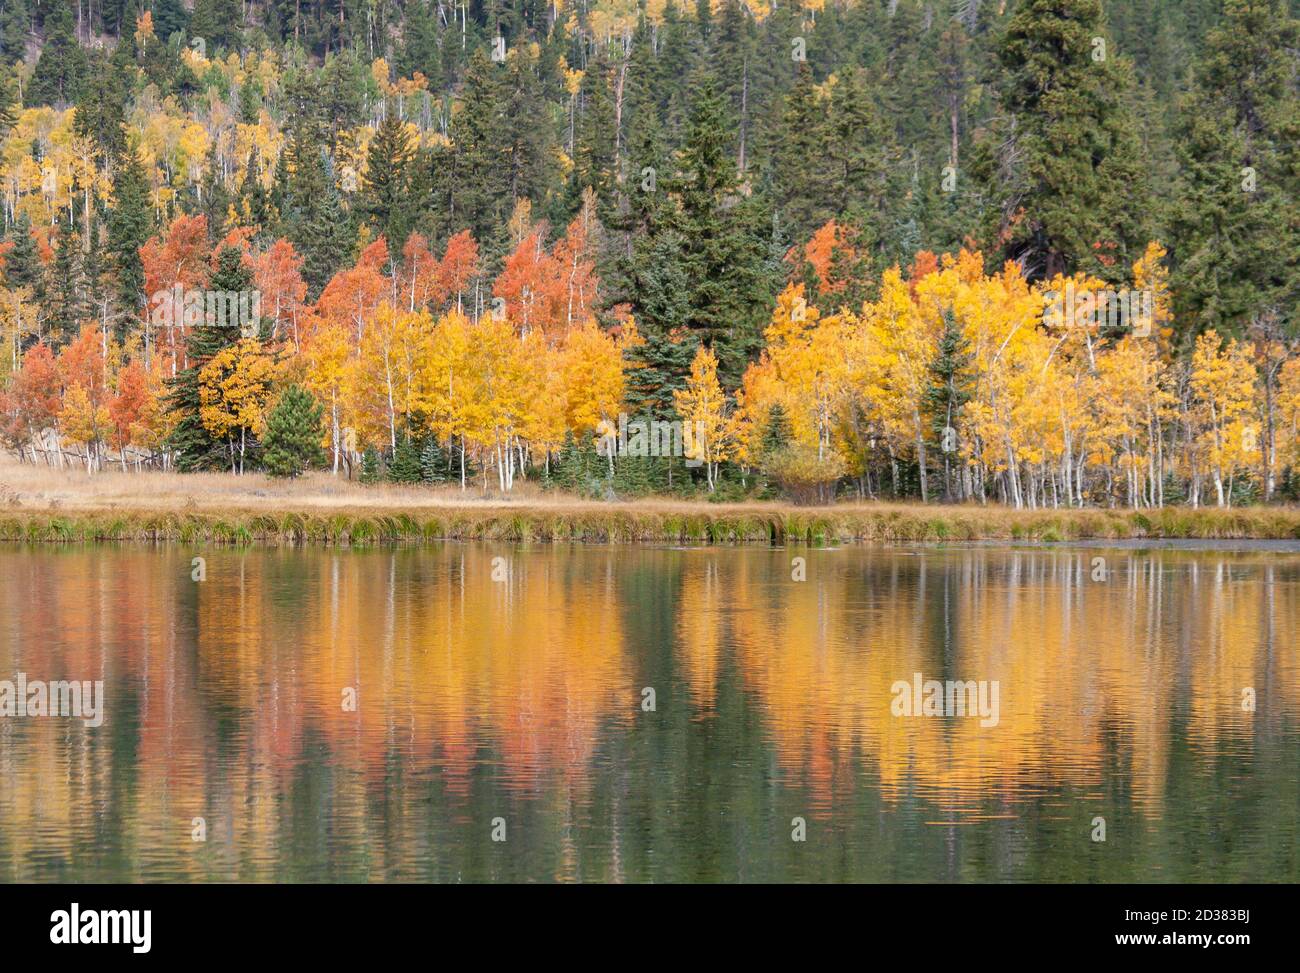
(523, 700)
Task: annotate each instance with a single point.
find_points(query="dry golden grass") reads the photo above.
(40, 504)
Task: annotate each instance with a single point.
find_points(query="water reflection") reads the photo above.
(528, 699)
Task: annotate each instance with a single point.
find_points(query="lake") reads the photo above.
(479, 712)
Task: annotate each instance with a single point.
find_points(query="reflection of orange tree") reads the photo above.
(535, 662)
(1072, 657)
(444, 660)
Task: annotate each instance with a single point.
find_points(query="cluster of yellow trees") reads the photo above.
(1053, 416)
(1036, 411)
(507, 397)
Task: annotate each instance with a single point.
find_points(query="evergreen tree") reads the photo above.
(23, 264)
(130, 224)
(722, 254)
(1237, 237)
(101, 110)
(1069, 166)
(8, 101)
(385, 195)
(434, 466)
(218, 22)
(405, 467)
(950, 388)
(313, 217)
(194, 446)
(15, 23)
(778, 433)
(292, 441)
(799, 164)
(65, 287)
(60, 73)
(419, 50)
(371, 468)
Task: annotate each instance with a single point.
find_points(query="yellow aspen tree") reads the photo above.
(702, 406)
(326, 358)
(235, 390)
(1222, 387)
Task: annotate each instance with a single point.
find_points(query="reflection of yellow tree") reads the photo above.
(1072, 657)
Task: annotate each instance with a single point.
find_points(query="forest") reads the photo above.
(1041, 253)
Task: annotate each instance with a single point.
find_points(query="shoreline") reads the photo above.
(643, 522)
(38, 504)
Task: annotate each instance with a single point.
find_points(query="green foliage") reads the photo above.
(292, 440)
(434, 464)
(777, 433)
(1069, 164)
(194, 446)
(130, 224)
(371, 467)
(405, 467)
(61, 70)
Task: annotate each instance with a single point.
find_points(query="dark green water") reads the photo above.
(511, 699)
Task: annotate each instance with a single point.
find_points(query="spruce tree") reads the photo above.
(722, 254)
(405, 467)
(195, 447)
(434, 465)
(15, 22)
(1069, 166)
(65, 287)
(777, 433)
(385, 194)
(218, 22)
(130, 224)
(371, 468)
(950, 388)
(60, 73)
(23, 264)
(101, 110)
(1237, 237)
(292, 440)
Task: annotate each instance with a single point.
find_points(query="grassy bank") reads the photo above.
(630, 523)
(42, 504)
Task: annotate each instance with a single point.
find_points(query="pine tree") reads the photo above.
(1237, 239)
(61, 70)
(8, 101)
(722, 254)
(15, 21)
(194, 446)
(292, 441)
(23, 264)
(130, 224)
(385, 194)
(799, 163)
(218, 22)
(313, 217)
(65, 288)
(777, 433)
(101, 110)
(419, 49)
(1070, 165)
(405, 467)
(434, 466)
(951, 387)
(371, 469)
(593, 158)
